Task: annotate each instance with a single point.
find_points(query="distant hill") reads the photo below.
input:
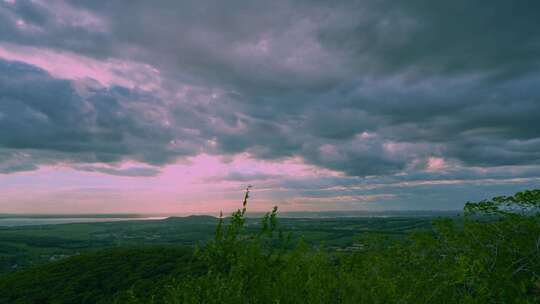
(202, 219)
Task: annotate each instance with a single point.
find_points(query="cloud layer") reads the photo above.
(377, 92)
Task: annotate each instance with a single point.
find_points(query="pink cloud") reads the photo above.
(436, 164)
(66, 65)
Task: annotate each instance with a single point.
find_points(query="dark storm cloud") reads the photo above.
(362, 87)
(41, 113)
(455, 37)
(53, 24)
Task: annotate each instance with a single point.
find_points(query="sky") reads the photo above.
(171, 106)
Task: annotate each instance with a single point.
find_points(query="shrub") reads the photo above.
(494, 257)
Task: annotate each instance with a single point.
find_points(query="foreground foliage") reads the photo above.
(493, 258)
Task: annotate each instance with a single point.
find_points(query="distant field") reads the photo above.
(25, 246)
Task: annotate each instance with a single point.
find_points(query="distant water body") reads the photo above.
(21, 221)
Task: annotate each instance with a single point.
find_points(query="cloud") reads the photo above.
(12, 161)
(70, 66)
(130, 172)
(51, 120)
(370, 88)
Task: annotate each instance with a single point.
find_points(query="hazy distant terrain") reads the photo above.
(24, 246)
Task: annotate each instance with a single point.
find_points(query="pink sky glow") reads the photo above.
(196, 185)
